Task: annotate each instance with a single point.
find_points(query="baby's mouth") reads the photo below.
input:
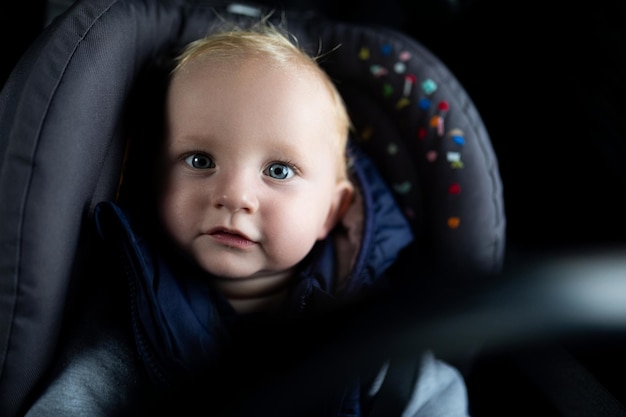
(231, 238)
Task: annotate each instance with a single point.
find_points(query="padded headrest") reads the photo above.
(61, 150)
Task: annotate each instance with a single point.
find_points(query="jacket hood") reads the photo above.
(385, 230)
(363, 246)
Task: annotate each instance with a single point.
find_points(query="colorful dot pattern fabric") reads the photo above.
(416, 121)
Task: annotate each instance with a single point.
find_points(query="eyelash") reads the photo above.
(288, 163)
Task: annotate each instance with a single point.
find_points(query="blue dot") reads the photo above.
(459, 140)
(424, 104)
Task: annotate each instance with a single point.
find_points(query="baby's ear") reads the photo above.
(342, 199)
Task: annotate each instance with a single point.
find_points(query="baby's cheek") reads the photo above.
(292, 254)
(297, 238)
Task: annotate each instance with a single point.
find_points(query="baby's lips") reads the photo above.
(230, 237)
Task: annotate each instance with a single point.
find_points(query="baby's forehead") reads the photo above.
(296, 66)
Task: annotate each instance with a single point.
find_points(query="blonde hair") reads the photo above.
(265, 41)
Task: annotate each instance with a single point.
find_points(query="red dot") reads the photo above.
(443, 106)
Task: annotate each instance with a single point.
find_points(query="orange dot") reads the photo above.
(454, 222)
(367, 133)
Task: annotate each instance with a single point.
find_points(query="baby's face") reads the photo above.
(250, 169)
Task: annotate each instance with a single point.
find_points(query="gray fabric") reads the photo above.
(98, 372)
(439, 391)
(99, 380)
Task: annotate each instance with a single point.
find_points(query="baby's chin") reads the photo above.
(238, 284)
(237, 271)
(265, 303)
(257, 293)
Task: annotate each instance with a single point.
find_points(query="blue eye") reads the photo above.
(280, 171)
(199, 161)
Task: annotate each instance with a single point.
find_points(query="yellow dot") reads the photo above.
(456, 132)
(402, 103)
(364, 53)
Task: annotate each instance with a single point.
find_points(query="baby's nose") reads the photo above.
(237, 192)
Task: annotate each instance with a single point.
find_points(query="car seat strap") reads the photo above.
(397, 387)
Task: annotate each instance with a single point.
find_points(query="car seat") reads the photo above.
(62, 147)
